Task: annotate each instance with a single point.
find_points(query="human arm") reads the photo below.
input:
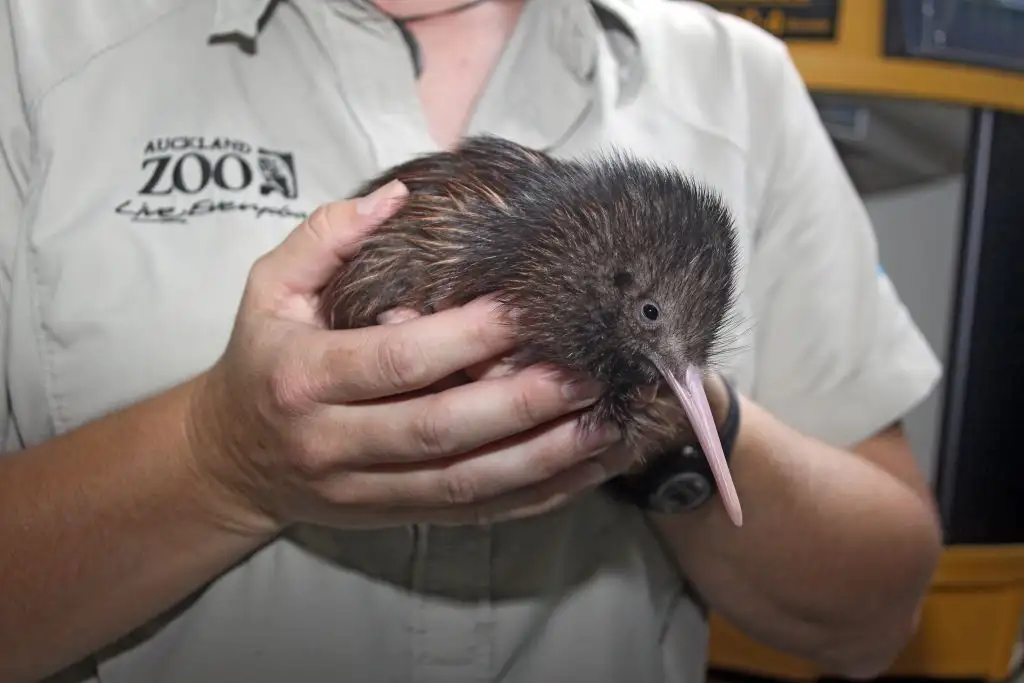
(109, 525)
(840, 534)
(104, 528)
(835, 553)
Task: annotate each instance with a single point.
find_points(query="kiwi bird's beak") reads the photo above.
(688, 387)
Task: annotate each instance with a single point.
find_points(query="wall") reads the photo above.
(918, 234)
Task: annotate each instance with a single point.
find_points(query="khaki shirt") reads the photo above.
(152, 149)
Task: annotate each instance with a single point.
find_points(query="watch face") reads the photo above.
(681, 492)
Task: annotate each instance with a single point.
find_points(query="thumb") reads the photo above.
(312, 252)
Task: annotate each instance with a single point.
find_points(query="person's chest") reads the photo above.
(167, 166)
(161, 172)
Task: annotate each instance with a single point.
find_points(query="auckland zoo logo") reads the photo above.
(184, 178)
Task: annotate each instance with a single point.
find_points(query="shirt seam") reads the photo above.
(128, 33)
(759, 172)
(58, 419)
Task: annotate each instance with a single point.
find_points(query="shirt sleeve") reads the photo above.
(14, 145)
(838, 355)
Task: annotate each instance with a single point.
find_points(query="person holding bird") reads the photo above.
(201, 480)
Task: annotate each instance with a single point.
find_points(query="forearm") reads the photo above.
(834, 556)
(102, 529)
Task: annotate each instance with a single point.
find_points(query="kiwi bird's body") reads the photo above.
(616, 268)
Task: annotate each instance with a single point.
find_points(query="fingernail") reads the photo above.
(380, 202)
(603, 437)
(595, 473)
(582, 389)
(388, 317)
(395, 316)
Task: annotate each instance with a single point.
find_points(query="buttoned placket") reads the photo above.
(451, 625)
(546, 76)
(374, 78)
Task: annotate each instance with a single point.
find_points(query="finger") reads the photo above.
(492, 368)
(524, 461)
(385, 360)
(449, 382)
(486, 370)
(529, 501)
(550, 494)
(313, 251)
(461, 419)
(395, 316)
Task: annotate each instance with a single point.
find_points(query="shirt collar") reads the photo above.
(576, 39)
(620, 23)
(238, 18)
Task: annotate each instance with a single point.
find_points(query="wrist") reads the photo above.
(216, 457)
(720, 398)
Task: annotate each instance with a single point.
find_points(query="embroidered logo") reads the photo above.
(278, 171)
(177, 171)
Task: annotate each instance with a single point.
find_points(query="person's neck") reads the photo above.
(401, 9)
(458, 52)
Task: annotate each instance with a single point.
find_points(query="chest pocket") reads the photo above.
(142, 232)
(136, 264)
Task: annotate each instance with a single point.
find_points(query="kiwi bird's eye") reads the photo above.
(650, 311)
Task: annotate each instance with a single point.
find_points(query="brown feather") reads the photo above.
(555, 238)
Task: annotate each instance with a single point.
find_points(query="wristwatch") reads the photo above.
(678, 481)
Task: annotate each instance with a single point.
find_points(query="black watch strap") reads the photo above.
(678, 482)
(731, 424)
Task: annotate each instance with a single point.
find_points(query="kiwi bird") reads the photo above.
(616, 268)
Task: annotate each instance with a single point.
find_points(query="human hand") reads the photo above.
(348, 428)
(614, 460)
